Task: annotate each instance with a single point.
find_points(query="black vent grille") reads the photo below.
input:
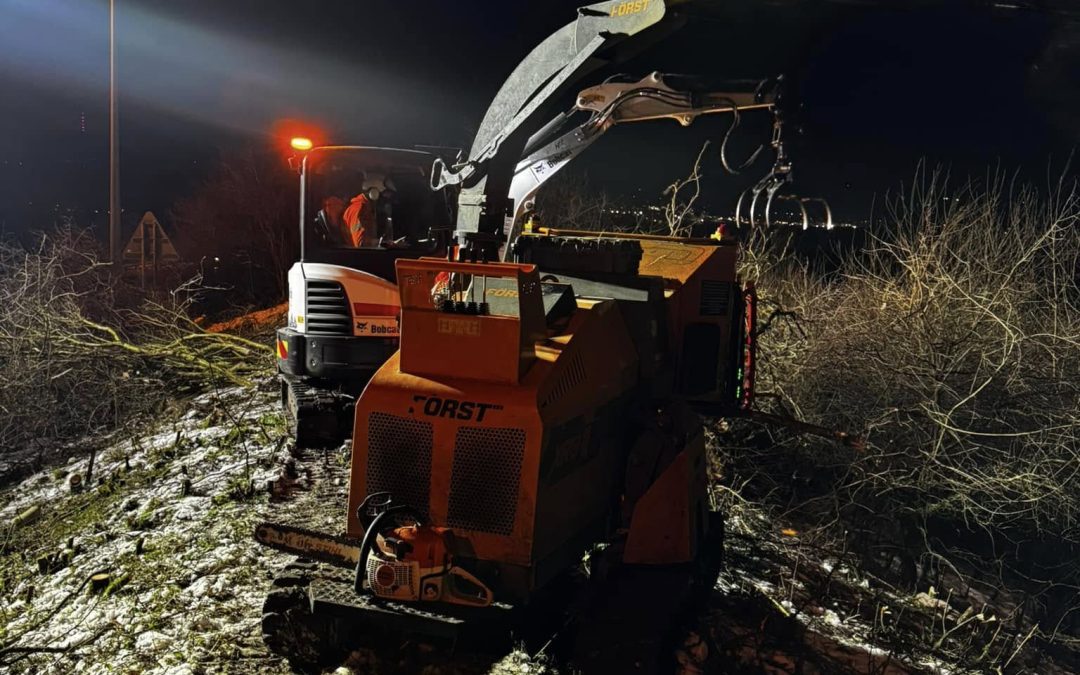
(571, 377)
(327, 309)
(485, 478)
(715, 298)
(399, 459)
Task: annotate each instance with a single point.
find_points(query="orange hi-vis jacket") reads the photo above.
(360, 219)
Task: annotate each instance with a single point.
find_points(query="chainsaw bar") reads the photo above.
(333, 549)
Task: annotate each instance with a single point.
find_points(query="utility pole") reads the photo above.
(114, 141)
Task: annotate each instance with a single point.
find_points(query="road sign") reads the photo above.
(149, 248)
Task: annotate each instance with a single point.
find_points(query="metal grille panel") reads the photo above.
(572, 376)
(399, 459)
(327, 309)
(485, 479)
(715, 298)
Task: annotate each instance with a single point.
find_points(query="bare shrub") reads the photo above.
(569, 201)
(245, 213)
(681, 196)
(80, 355)
(954, 344)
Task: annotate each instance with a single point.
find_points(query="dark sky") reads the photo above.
(880, 90)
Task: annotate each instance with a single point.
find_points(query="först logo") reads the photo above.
(452, 325)
(630, 7)
(434, 406)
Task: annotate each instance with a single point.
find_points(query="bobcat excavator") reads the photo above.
(548, 388)
(343, 306)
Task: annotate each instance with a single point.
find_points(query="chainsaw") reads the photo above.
(401, 557)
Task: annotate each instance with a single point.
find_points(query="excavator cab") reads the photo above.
(399, 210)
(361, 209)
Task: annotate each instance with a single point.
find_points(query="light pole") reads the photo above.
(114, 154)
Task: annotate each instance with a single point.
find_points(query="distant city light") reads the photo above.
(300, 143)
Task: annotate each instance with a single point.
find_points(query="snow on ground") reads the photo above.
(764, 565)
(189, 602)
(787, 604)
(188, 581)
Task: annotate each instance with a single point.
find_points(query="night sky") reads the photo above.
(880, 91)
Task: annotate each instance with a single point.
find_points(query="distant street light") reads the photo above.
(114, 140)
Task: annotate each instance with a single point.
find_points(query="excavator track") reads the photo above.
(308, 641)
(317, 417)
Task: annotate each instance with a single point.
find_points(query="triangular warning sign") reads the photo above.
(149, 245)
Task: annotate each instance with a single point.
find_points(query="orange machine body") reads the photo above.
(518, 430)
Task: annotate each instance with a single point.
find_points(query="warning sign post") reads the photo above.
(149, 249)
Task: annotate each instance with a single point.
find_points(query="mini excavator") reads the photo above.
(547, 391)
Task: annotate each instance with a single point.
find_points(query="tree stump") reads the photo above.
(99, 582)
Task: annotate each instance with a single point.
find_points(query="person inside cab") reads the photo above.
(360, 218)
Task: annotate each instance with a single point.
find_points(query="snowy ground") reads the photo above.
(189, 602)
(188, 598)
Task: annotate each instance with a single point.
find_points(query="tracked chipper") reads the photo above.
(522, 420)
(545, 396)
(550, 401)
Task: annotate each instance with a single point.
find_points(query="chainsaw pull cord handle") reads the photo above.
(372, 533)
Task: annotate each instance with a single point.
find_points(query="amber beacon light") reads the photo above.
(301, 143)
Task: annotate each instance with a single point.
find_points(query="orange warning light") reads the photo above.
(301, 143)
